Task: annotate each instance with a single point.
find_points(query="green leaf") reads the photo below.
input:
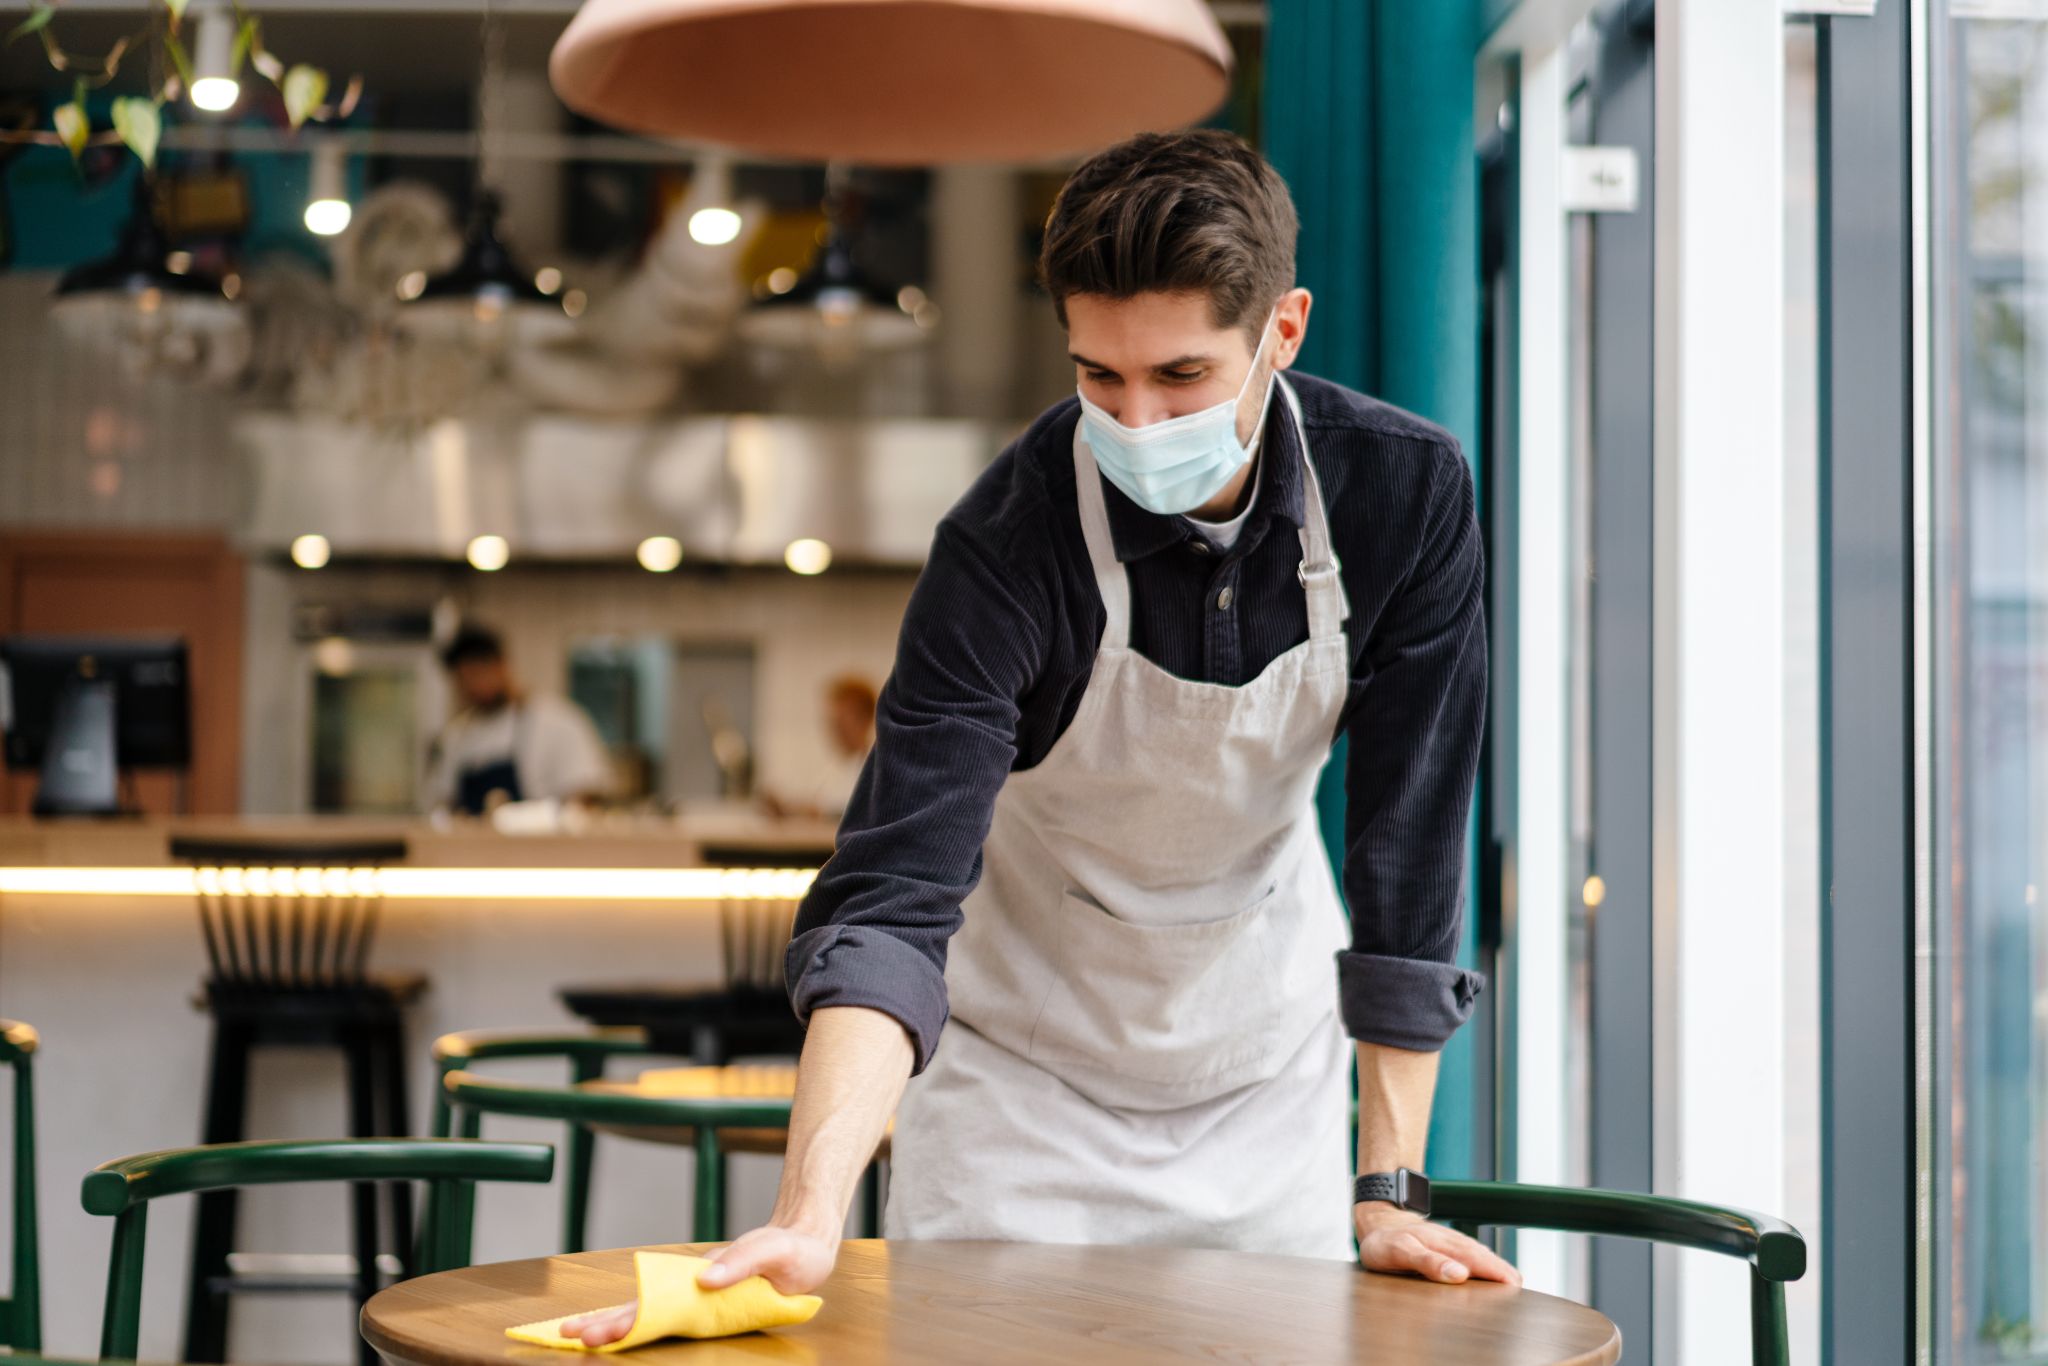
(269, 65)
(179, 58)
(139, 124)
(245, 39)
(177, 9)
(304, 88)
(38, 18)
(72, 126)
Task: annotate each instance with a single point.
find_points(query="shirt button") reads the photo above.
(1224, 599)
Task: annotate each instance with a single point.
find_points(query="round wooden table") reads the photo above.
(994, 1304)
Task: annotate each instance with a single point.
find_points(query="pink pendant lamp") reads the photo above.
(894, 82)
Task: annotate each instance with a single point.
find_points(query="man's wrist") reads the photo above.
(1385, 1214)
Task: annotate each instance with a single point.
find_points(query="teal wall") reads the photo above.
(1368, 115)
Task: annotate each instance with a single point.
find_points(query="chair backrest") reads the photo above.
(287, 915)
(21, 1313)
(1775, 1251)
(475, 1095)
(124, 1187)
(704, 1115)
(586, 1052)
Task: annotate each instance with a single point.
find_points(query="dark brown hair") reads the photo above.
(1175, 212)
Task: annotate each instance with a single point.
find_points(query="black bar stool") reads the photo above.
(288, 930)
(748, 1016)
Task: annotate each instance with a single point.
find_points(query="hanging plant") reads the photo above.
(137, 120)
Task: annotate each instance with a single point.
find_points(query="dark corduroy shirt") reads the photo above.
(999, 641)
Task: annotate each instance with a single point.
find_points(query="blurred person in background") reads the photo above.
(505, 744)
(849, 718)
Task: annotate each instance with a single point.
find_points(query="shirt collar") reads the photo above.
(1137, 533)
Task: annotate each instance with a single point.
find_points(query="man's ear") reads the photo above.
(1291, 319)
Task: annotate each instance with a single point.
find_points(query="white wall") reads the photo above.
(84, 444)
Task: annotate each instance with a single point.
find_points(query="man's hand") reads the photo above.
(607, 1325)
(795, 1262)
(1398, 1241)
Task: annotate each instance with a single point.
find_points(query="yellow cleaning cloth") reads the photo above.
(672, 1304)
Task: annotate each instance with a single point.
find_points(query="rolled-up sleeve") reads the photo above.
(873, 930)
(1414, 740)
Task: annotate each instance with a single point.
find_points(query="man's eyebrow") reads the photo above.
(1177, 363)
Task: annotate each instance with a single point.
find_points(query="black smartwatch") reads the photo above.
(1403, 1189)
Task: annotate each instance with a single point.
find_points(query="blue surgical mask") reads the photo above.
(1177, 465)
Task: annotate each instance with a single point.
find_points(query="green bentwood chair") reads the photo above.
(705, 1118)
(1773, 1248)
(21, 1313)
(586, 1053)
(124, 1187)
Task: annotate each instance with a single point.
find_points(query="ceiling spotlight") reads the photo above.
(808, 556)
(489, 553)
(214, 87)
(713, 223)
(311, 551)
(714, 227)
(327, 207)
(660, 554)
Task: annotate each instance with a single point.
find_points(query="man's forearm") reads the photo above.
(854, 1066)
(1395, 1087)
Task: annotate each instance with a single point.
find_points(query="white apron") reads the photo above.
(1144, 1044)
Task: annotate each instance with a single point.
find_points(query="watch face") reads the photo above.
(1414, 1192)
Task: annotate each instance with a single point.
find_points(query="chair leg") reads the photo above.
(397, 1123)
(708, 1221)
(1769, 1345)
(871, 1199)
(213, 1224)
(576, 1188)
(121, 1323)
(361, 1052)
(25, 1305)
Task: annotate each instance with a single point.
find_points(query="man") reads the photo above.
(1087, 832)
(503, 744)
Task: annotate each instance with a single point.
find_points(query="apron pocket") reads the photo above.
(1155, 1016)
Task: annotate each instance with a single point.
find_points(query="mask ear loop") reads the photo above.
(1272, 380)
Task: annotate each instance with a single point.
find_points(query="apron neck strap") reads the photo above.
(1110, 580)
(1319, 572)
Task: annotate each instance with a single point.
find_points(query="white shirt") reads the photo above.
(1225, 534)
(558, 754)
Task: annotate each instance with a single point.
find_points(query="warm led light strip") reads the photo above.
(425, 884)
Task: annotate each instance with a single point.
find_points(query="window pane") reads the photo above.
(1802, 678)
(1989, 88)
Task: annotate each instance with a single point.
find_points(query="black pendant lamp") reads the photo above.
(486, 281)
(835, 308)
(138, 272)
(153, 319)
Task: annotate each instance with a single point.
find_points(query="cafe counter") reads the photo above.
(102, 949)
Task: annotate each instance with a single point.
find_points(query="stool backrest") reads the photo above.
(287, 915)
(124, 1187)
(21, 1313)
(753, 936)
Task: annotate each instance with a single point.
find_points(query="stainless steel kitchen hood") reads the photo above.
(734, 489)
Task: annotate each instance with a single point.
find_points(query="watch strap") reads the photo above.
(1374, 1186)
(1403, 1188)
